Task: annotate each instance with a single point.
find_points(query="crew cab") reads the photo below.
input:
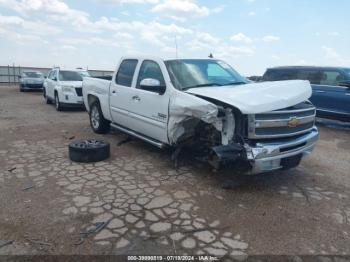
(206, 105)
(64, 87)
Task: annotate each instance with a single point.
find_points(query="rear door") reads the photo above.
(328, 96)
(121, 93)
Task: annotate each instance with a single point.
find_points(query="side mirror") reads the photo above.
(45, 77)
(54, 79)
(153, 85)
(19, 77)
(345, 83)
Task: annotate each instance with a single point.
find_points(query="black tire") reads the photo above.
(21, 89)
(89, 150)
(58, 104)
(47, 99)
(97, 122)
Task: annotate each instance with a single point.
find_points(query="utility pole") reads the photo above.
(176, 47)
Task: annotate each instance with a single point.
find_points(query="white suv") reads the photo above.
(64, 87)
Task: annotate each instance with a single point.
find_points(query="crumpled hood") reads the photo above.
(261, 97)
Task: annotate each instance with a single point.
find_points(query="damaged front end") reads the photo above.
(208, 129)
(221, 135)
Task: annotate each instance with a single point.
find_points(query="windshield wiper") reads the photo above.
(235, 83)
(202, 85)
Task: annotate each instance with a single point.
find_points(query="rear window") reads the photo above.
(280, 74)
(126, 72)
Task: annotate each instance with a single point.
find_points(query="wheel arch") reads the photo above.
(102, 100)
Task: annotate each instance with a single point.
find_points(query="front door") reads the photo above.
(149, 109)
(329, 97)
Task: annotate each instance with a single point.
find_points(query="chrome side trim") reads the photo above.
(139, 136)
(335, 112)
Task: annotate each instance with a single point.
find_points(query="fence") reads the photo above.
(9, 74)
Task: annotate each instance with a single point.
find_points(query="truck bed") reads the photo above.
(100, 87)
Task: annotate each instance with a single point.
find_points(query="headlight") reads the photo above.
(67, 88)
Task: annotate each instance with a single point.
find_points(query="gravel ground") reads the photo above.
(140, 204)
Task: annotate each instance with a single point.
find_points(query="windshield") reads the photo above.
(32, 74)
(69, 76)
(191, 73)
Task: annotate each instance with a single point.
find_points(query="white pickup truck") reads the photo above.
(206, 105)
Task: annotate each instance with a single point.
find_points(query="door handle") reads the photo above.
(113, 92)
(136, 98)
(319, 91)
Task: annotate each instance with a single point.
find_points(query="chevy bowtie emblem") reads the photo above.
(293, 122)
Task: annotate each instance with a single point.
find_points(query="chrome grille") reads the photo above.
(286, 122)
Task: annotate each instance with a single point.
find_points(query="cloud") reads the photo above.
(55, 11)
(270, 38)
(42, 7)
(218, 9)
(252, 13)
(333, 34)
(205, 42)
(32, 27)
(128, 1)
(181, 9)
(240, 37)
(334, 57)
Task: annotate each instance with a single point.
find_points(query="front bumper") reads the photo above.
(268, 156)
(26, 86)
(71, 98)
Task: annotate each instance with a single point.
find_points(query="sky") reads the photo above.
(251, 35)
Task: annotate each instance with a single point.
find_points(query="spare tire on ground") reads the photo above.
(89, 150)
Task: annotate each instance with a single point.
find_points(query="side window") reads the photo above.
(126, 72)
(331, 78)
(280, 74)
(150, 69)
(314, 76)
(54, 75)
(49, 76)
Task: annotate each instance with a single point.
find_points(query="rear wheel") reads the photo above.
(97, 122)
(58, 103)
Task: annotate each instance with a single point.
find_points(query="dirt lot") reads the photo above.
(47, 201)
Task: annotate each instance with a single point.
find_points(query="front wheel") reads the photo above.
(97, 122)
(47, 99)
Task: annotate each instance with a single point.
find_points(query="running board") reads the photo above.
(137, 135)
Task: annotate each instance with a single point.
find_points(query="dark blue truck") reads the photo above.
(330, 87)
